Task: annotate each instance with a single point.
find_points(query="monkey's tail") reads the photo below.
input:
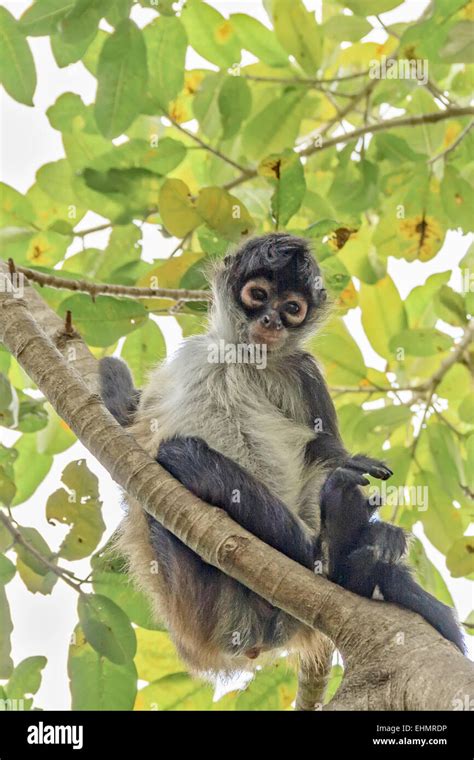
(117, 390)
(397, 585)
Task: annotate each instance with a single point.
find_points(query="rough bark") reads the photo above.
(394, 659)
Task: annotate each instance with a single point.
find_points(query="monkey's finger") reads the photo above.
(369, 466)
(343, 477)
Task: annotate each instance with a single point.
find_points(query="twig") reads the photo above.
(314, 83)
(131, 291)
(56, 569)
(454, 144)
(206, 146)
(399, 121)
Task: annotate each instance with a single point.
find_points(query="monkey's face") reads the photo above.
(269, 292)
(273, 311)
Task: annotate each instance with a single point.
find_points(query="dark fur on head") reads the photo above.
(285, 259)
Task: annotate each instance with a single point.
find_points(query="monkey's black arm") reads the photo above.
(117, 390)
(223, 483)
(327, 447)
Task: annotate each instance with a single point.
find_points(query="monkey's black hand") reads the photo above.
(388, 541)
(368, 466)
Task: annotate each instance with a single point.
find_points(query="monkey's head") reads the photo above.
(269, 292)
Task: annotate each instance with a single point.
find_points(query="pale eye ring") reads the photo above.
(255, 293)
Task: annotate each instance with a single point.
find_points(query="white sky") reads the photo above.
(43, 624)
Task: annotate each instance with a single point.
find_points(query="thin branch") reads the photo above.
(206, 146)
(399, 121)
(454, 144)
(311, 83)
(22, 541)
(95, 289)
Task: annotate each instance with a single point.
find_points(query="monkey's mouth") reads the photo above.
(270, 338)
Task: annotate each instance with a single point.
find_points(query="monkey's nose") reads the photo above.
(271, 321)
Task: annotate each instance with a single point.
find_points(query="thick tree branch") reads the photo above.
(394, 659)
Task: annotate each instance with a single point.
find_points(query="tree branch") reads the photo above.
(424, 672)
(93, 289)
(454, 144)
(354, 134)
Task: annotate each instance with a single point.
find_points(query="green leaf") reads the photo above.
(286, 174)
(335, 680)
(15, 209)
(117, 11)
(43, 16)
(156, 656)
(80, 507)
(450, 307)
(224, 213)
(95, 682)
(376, 6)
(235, 101)
(210, 34)
(26, 678)
(56, 437)
(442, 523)
(122, 79)
(383, 314)
(346, 28)
(275, 127)
(460, 557)
(160, 158)
(166, 44)
(82, 21)
(259, 40)
(340, 354)
(7, 570)
(177, 209)
(17, 67)
(175, 692)
(66, 53)
(422, 341)
(469, 623)
(459, 44)
(466, 409)
(427, 575)
(6, 628)
(142, 350)
(419, 303)
(110, 578)
(103, 321)
(271, 689)
(298, 32)
(446, 458)
(107, 628)
(35, 574)
(30, 468)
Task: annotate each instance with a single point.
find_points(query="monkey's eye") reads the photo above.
(292, 307)
(255, 292)
(259, 294)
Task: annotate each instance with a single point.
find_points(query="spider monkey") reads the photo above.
(263, 444)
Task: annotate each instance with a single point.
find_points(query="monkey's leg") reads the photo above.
(345, 513)
(223, 483)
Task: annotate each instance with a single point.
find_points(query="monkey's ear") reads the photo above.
(227, 260)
